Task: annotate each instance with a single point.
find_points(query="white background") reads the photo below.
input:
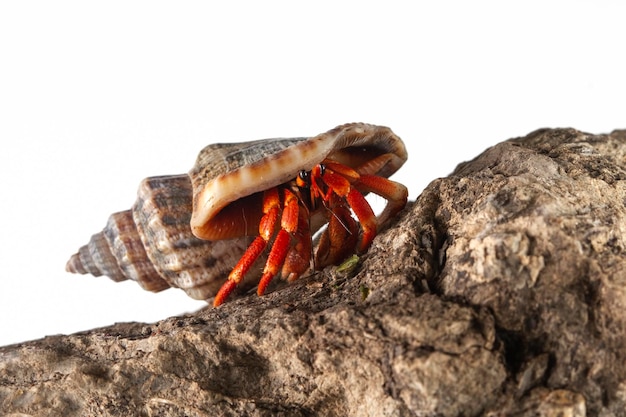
(96, 96)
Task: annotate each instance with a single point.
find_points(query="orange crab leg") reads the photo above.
(340, 238)
(271, 208)
(236, 275)
(395, 193)
(289, 225)
(366, 217)
(299, 256)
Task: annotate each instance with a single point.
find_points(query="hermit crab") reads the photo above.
(249, 203)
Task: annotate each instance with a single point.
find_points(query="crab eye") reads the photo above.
(304, 179)
(322, 169)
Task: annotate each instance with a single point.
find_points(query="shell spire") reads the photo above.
(118, 253)
(152, 244)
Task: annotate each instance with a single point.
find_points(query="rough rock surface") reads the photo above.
(499, 292)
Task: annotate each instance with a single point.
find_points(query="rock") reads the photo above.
(499, 292)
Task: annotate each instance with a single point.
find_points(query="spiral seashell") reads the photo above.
(188, 231)
(153, 245)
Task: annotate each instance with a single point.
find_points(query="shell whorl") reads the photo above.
(152, 244)
(117, 252)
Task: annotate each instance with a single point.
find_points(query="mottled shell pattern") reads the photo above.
(188, 231)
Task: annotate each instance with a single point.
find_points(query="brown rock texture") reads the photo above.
(499, 292)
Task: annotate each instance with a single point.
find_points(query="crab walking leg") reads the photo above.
(271, 210)
(289, 226)
(236, 275)
(395, 193)
(298, 258)
(366, 217)
(340, 237)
